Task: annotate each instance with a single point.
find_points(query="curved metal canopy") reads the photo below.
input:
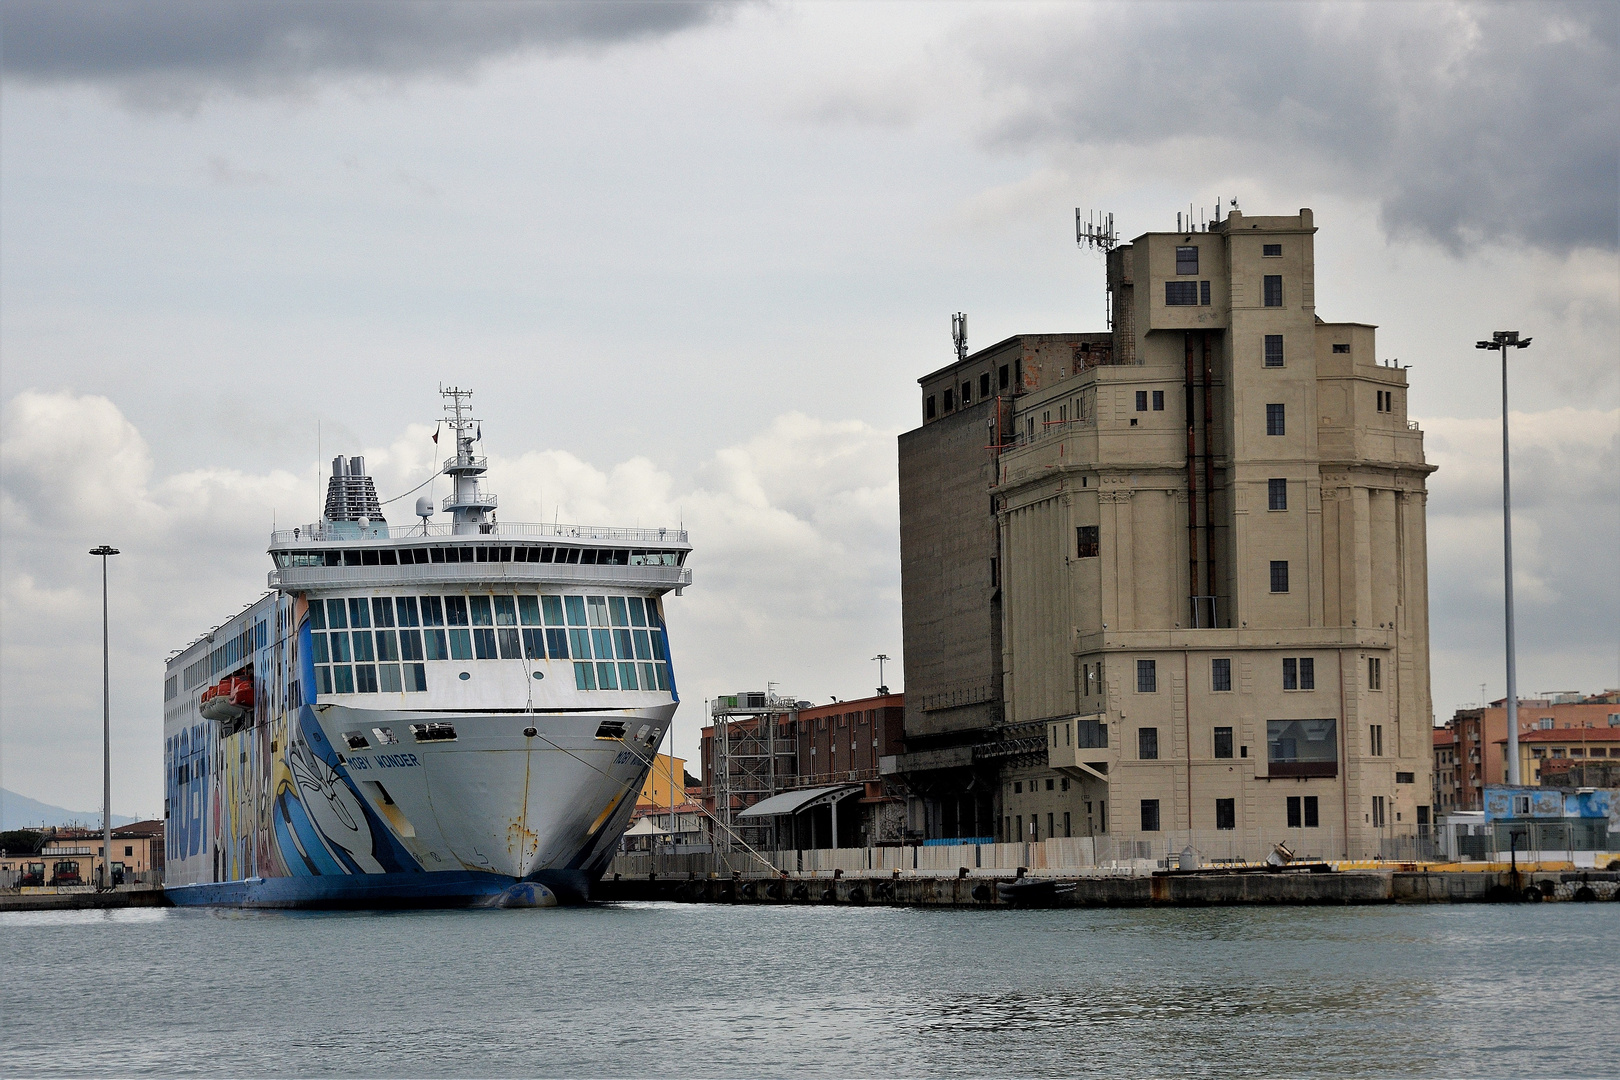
(792, 802)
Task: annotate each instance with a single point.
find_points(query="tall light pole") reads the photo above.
(883, 687)
(1502, 341)
(106, 727)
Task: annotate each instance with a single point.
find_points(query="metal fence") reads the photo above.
(1532, 840)
(1121, 852)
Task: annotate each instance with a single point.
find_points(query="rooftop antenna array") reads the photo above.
(959, 335)
(1196, 221)
(1096, 231)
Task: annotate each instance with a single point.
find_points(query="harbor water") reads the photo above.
(708, 990)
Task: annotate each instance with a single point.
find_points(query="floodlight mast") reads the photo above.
(1501, 341)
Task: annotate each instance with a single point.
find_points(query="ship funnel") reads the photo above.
(351, 495)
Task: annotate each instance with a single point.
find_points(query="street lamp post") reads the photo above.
(106, 727)
(1502, 341)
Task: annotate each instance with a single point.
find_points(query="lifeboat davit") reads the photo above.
(228, 700)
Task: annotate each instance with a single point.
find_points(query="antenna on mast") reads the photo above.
(1096, 231)
(959, 335)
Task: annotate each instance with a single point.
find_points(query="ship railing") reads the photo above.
(350, 531)
(300, 577)
(480, 501)
(454, 464)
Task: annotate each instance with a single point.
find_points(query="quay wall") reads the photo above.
(48, 899)
(1146, 890)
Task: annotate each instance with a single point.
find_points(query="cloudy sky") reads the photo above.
(692, 259)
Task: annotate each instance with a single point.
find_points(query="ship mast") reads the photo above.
(471, 510)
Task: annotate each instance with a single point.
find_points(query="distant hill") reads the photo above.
(20, 812)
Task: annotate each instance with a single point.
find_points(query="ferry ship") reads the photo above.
(436, 714)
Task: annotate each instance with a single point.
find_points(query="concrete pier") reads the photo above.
(48, 899)
(1156, 890)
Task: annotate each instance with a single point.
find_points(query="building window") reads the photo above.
(1181, 294)
(1223, 742)
(1226, 813)
(1341, 346)
(929, 411)
(1220, 676)
(1158, 401)
(1375, 674)
(1375, 740)
(1304, 812)
(1203, 294)
(1187, 260)
(1147, 743)
(1271, 251)
(1066, 831)
(1087, 545)
(984, 386)
(1277, 494)
(1018, 787)
(1273, 290)
(1299, 673)
(1276, 419)
(1002, 375)
(995, 574)
(1279, 575)
(1378, 811)
(1274, 350)
(967, 394)
(950, 399)
(1147, 676)
(1302, 747)
(1150, 815)
(1406, 778)
(1141, 401)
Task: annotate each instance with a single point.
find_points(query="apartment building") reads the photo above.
(1198, 541)
(1552, 726)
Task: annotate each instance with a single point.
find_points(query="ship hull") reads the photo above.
(386, 808)
(443, 889)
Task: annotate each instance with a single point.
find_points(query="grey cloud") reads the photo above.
(1465, 122)
(176, 51)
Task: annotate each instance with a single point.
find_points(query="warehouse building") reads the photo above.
(1168, 584)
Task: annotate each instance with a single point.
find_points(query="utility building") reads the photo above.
(1169, 583)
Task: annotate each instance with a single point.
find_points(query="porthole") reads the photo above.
(465, 675)
(539, 675)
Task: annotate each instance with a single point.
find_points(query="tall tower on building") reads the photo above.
(1198, 556)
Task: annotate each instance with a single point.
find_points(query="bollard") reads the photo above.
(897, 873)
(1022, 870)
(837, 874)
(961, 872)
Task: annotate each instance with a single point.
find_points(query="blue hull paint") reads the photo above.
(445, 888)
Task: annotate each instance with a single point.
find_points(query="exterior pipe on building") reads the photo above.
(1209, 483)
(1192, 489)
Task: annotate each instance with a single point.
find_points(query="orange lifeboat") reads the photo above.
(228, 700)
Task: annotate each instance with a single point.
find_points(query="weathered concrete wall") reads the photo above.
(76, 901)
(1193, 890)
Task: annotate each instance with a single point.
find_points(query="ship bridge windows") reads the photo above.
(383, 644)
